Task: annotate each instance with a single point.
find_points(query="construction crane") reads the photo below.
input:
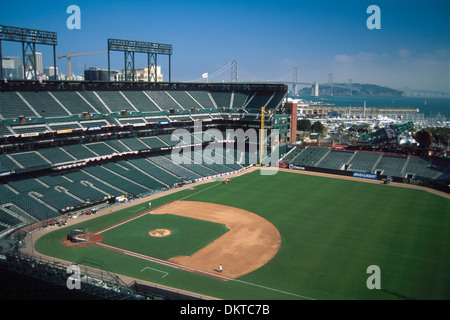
(70, 55)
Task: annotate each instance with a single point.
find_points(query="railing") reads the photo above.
(98, 282)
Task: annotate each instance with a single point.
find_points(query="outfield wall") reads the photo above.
(322, 170)
(419, 182)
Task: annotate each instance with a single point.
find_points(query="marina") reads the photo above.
(375, 110)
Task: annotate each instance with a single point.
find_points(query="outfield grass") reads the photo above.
(331, 230)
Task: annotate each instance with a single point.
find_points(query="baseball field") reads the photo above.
(280, 237)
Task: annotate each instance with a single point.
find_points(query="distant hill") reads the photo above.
(343, 89)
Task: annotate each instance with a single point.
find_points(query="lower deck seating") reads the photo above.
(47, 193)
(310, 156)
(33, 207)
(422, 168)
(336, 160)
(363, 161)
(391, 166)
(178, 170)
(155, 171)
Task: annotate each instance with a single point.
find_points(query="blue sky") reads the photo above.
(268, 38)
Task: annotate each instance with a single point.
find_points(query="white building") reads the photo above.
(141, 74)
(49, 72)
(37, 62)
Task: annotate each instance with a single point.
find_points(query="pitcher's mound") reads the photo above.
(160, 233)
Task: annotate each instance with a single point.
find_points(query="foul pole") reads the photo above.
(261, 143)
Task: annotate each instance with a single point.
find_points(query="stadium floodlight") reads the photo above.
(29, 39)
(130, 47)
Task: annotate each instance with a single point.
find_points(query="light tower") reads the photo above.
(130, 47)
(29, 39)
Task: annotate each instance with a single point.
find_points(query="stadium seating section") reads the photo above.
(68, 145)
(435, 169)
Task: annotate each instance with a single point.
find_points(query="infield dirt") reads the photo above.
(251, 242)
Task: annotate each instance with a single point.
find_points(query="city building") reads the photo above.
(98, 74)
(49, 72)
(37, 62)
(142, 74)
(12, 68)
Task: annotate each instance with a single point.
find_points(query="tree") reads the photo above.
(424, 138)
(317, 127)
(341, 128)
(366, 128)
(441, 135)
(303, 125)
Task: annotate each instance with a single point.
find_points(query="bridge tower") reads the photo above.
(294, 80)
(330, 83)
(234, 71)
(315, 90)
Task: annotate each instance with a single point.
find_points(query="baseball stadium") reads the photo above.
(89, 182)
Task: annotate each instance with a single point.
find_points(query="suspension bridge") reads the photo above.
(291, 79)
